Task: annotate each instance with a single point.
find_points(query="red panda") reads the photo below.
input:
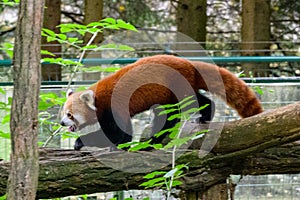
(150, 81)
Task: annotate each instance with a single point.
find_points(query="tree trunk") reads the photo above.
(23, 177)
(52, 16)
(255, 35)
(191, 26)
(93, 12)
(191, 19)
(245, 147)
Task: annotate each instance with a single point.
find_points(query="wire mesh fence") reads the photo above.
(275, 92)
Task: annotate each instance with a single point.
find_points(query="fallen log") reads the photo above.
(262, 144)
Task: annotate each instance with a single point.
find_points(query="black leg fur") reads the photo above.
(115, 135)
(113, 131)
(110, 136)
(161, 122)
(207, 114)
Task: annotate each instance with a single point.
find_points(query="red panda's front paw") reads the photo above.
(78, 144)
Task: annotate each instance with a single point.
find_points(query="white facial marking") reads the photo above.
(79, 118)
(67, 121)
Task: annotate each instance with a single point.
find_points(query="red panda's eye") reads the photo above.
(69, 115)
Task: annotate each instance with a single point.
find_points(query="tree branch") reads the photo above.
(257, 145)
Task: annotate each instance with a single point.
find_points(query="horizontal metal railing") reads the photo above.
(216, 59)
(234, 59)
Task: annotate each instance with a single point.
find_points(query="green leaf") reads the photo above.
(82, 32)
(89, 47)
(10, 3)
(127, 144)
(100, 69)
(96, 24)
(124, 25)
(45, 52)
(181, 166)
(51, 39)
(176, 183)
(163, 132)
(9, 100)
(153, 182)
(177, 142)
(167, 111)
(186, 99)
(166, 106)
(140, 145)
(61, 61)
(62, 36)
(154, 174)
(175, 130)
(2, 91)
(8, 48)
(175, 116)
(49, 32)
(93, 30)
(3, 197)
(4, 135)
(2, 105)
(157, 146)
(125, 48)
(107, 46)
(182, 106)
(109, 20)
(73, 40)
(65, 29)
(258, 90)
(6, 119)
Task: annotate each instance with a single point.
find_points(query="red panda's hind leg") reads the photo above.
(208, 112)
(160, 122)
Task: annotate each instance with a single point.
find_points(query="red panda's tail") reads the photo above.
(225, 84)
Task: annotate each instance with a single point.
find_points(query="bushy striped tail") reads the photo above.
(226, 85)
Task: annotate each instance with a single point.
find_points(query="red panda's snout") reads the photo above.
(67, 121)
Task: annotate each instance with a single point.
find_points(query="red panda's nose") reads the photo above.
(62, 123)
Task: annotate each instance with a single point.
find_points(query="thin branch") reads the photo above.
(12, 29)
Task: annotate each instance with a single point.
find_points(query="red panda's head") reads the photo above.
(79, 110)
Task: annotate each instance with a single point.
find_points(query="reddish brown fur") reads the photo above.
(199, 75)
(237, 94)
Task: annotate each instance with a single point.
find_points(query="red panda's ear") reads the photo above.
(88, 98)
(69, 92)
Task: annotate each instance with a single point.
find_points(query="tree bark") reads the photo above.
(191, 19)
(245, 147)
(23, 177)
(191, 22)
(256, 33)
(93, 12)
(52, 18)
